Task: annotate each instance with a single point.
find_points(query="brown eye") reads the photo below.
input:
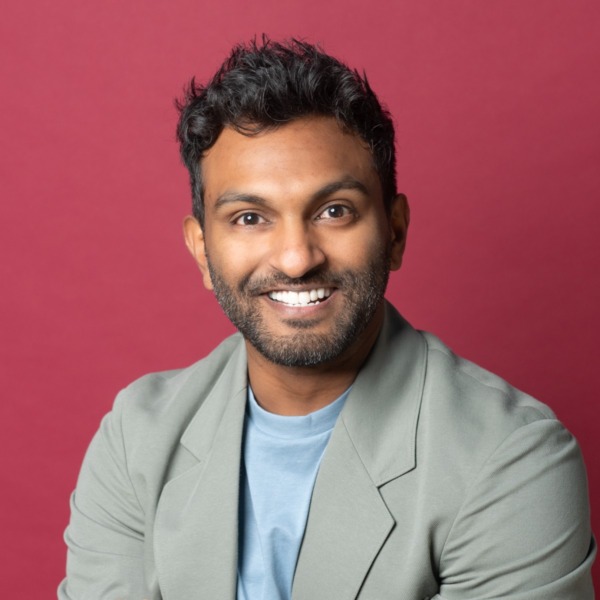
(335, 211)
(249, 219)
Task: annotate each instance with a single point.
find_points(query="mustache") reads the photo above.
(326, 279)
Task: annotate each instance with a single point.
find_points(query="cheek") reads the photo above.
(235, 259)
(358, 248)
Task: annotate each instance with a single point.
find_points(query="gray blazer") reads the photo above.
(440, 481)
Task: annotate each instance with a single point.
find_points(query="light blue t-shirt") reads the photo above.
(281, 457)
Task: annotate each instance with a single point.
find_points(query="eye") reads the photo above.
(335, 211)
(249, 219)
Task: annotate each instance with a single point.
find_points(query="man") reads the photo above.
(330, 451)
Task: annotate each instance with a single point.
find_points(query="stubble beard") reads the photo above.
(363, 292)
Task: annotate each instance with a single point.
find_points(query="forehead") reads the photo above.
(292, 159)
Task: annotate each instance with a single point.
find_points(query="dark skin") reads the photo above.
(298, 199)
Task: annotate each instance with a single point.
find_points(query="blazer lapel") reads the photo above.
(196, 528)
(347, 524)
(372, 443)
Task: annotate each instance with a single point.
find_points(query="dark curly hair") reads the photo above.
(264, 85)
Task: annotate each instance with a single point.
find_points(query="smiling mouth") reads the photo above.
(303, 298)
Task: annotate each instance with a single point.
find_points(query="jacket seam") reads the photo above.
(541, 413)
(126, 462)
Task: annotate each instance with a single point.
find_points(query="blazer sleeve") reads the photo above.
(105, 535)
(523, 531)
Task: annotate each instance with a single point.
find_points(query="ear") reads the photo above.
(194, 240)
(399, 219)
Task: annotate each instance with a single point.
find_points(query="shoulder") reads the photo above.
(162, 404)
(456, 413)
(155, 393)
(460, 393)
(140, 437)
(485, 432)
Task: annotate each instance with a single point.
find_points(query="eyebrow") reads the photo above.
(347, 183)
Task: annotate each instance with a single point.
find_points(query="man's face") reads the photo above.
(296, 242)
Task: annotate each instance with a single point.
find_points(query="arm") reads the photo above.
(523, 532)
(105, 536)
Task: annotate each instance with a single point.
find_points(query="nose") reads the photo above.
(297, 250)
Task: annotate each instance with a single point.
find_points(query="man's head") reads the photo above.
(265, 86)
(295, 226)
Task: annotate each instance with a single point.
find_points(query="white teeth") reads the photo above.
(303, 298)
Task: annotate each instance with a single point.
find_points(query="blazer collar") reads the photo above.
(383, 405)
(382, 410)
(229, 383)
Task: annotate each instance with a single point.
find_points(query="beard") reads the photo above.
(363, 291)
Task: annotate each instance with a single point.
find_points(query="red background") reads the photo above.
(496, 105)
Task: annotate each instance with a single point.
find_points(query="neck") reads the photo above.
(302, 390)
